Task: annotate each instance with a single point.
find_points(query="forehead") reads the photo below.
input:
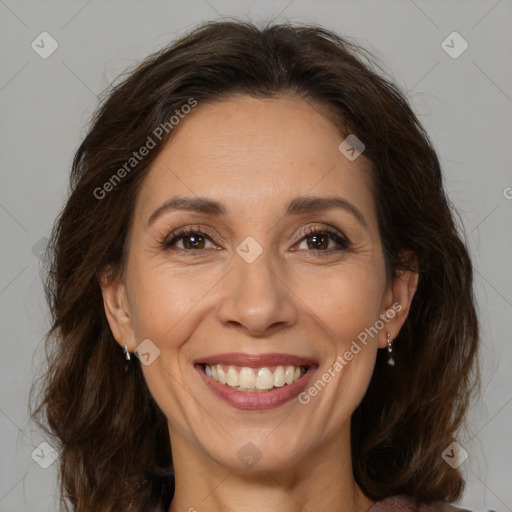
(254, 153)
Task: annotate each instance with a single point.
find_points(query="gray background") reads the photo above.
(465, 104)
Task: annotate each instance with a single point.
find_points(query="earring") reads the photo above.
(126, 353)
(391, 360)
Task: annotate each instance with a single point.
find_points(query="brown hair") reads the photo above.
(113, 439)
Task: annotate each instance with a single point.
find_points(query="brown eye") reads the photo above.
(324, 241)
(194, 241)
(318, 241)
(188, 240)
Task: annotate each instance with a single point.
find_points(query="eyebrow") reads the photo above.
(193, 204)
(297, 206)
(312, 204)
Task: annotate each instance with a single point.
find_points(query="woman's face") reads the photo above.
(282, 267)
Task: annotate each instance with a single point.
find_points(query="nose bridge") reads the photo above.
(257, 298)
(258, 270)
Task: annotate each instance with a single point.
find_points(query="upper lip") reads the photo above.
(256, 360)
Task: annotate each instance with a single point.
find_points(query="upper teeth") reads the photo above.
(245, 378)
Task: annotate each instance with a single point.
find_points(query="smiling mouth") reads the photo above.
(249, 380)
(256, 382)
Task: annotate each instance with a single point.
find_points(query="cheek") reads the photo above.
(347, 300)
(165, 307)
(348, 305)
(163, 298)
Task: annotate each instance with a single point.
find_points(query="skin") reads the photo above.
(254, 156)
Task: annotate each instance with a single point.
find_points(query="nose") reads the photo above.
(257, 298)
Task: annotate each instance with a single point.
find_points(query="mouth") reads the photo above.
(256, 382)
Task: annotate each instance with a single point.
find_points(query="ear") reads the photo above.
(398, 298)
(117, 309)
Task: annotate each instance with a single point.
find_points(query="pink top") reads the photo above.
(404, 504)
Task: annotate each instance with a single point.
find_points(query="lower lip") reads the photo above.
(256, 401)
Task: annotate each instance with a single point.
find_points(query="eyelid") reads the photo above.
(334, 233)
(179, 233)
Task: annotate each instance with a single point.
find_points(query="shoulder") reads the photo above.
(404, 504)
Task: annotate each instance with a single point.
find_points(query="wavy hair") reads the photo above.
(112, 437)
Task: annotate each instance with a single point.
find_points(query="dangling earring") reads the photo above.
(391, 360)
(126, 353)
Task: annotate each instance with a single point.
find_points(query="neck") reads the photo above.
(323, 481)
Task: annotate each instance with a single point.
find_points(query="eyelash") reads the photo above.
(178, 234)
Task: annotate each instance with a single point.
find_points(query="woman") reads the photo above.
(260, 298)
